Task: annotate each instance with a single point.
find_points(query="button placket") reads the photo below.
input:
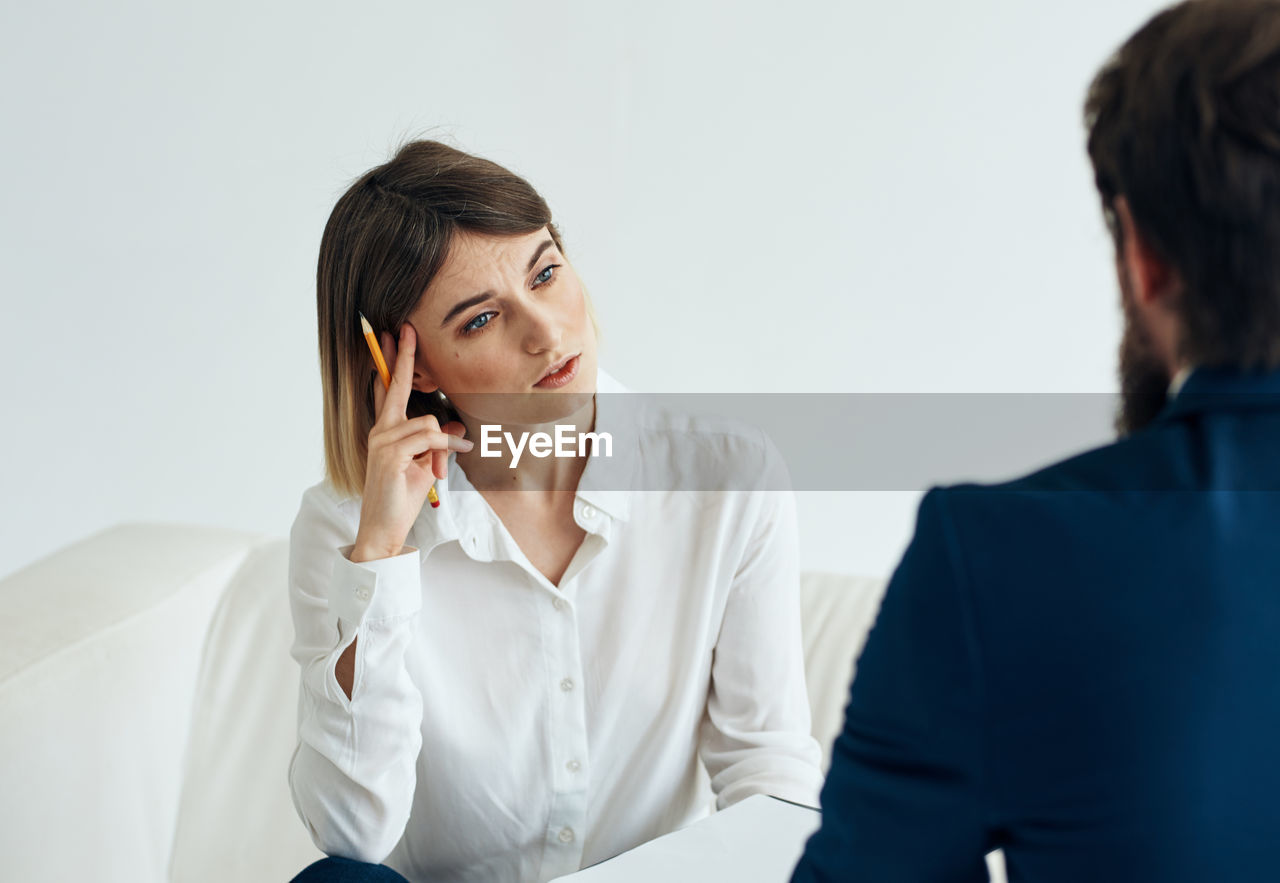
(568, 709)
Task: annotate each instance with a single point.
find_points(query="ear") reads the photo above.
(1151, 279)
(423, 382)
(422, 379)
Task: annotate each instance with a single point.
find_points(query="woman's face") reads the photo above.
(506, 315)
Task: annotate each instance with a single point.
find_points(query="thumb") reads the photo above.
(453, 427)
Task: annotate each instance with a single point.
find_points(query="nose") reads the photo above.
(543, 328)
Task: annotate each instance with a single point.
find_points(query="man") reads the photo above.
(1082, 667)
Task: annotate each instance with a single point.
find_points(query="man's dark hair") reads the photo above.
(1184, 122)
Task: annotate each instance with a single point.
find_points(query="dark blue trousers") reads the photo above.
(345, 870)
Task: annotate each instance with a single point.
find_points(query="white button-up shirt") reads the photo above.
(502, 728)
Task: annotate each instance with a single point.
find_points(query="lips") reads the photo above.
(560, 373)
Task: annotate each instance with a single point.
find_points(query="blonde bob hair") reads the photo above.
(386, 239)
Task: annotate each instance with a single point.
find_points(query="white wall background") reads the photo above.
(788, 198)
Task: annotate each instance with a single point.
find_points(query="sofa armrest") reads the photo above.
(101, 646)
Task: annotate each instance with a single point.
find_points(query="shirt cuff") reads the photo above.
(385, 588)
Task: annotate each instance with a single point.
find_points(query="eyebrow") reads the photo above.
(537, 254)
(464, 305)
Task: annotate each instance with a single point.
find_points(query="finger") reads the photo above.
(440, 464)
(428, 440)
(402, 374)
(388, 345)
(379, 396)
(425, 423)
(426, 462)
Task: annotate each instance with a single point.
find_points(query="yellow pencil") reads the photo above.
(432, 497)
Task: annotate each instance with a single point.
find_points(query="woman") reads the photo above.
(523, 681)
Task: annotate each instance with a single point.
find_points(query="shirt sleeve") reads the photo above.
(353, 772)
(756, 735)
(902, 800)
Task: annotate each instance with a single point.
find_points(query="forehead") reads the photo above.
(476, 261)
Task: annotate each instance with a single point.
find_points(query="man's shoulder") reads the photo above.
(1082, 499)
(1151, 460)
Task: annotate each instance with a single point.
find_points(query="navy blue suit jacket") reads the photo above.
(1081, 667)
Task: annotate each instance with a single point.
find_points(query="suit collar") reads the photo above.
(1217, 389)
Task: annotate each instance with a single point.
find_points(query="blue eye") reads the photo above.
(478, 322)
(545, 275)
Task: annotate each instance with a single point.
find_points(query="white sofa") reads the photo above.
(148, 702)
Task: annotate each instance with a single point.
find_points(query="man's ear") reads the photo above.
(1151, 279)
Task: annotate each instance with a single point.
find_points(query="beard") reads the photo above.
(1144, 379)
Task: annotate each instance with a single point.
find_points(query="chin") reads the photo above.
(528, 408)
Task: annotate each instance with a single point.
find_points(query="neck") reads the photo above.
(514, 441)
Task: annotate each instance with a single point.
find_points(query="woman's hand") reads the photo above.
(405, 457)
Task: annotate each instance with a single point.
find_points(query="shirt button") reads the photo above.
(588, 512)
(573, 766)
(566, 684)
(566, 835)
(362, 593)
(559, 604)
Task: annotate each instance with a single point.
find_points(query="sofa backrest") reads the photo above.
(836, 612)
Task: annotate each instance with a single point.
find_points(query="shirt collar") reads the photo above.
(608, 482)
(1179, 380)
